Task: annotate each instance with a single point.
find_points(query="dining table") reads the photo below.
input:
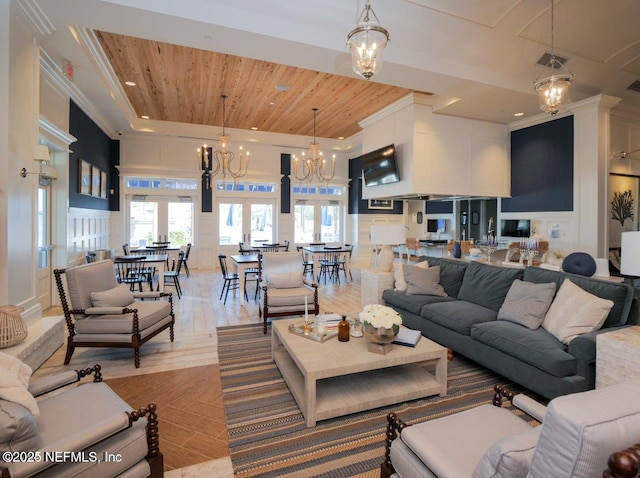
(242, 262)
(317, 252)
(157, 260)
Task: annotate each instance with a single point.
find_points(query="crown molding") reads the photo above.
(92, 47)
(36, 17)
(53, 71)
(53, 131)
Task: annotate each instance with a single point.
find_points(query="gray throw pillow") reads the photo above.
(527, 303)
(119, 296)
(422, 281)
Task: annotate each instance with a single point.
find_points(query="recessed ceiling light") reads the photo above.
(254, 128)
(518, 114)
(271, 103)
(144, 117)
(340, 137)
(130, 83)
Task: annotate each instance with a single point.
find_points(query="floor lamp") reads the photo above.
(387, 235)
(630, 254)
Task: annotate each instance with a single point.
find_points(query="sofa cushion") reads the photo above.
(422, 281)
(458, 315)
(620, 294)
(399, 274)
(119, 296)
(575, 311)
(509, 457)
(535, 347)
(18, 428)
(487, 285)
(150, 312)
(527, 303)
(581, 430)
(432, 441)
(412, 303)
(451, 273)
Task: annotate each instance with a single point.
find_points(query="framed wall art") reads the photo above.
(95, 181)
(84, 177)
(380, 203)
(623, 206)
(104, 183)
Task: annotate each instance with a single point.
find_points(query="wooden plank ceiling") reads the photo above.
(181, 84)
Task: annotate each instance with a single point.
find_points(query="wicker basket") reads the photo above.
(13, 328)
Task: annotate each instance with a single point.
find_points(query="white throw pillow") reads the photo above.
(119, 296)
(398, 272)
(14, 383)
(574, 312)
(509, 457)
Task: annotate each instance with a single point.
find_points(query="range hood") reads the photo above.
(439, 157)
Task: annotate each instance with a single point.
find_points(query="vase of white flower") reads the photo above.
(381, 326)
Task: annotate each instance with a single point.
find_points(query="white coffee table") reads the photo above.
(335, 378)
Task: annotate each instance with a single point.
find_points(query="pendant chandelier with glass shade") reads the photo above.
(314, 166)
(222, 159)
(553, 90)
(367, 42)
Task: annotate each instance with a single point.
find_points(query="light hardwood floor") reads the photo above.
(190, 408)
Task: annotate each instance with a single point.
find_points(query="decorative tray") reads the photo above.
(299, 329)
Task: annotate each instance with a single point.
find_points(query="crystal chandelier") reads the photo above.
(314, 167)
(222, 158)
(553, 90)
(367, 41)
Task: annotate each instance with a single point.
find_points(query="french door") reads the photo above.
(245, 220)
(317, 221)
(159, 218)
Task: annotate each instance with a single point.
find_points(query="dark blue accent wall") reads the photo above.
(95, 147)
(542, 168)
(357, 205)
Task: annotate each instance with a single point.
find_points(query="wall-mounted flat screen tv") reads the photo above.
(380, 166)
(436, 225)
(515, 227)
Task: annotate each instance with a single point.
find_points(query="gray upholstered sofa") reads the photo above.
(466, 322)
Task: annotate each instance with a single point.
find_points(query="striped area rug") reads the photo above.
(267, 434)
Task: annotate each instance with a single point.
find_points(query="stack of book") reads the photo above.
(408, 337)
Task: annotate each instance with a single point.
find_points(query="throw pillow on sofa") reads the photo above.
(574, 312)
(398, 274)
(527, 303)
(422, 281)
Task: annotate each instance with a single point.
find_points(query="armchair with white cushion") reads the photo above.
(579, 436)
(99, 312)
(82, 431)
(285, 291)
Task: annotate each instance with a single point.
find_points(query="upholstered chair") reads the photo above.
(99, 312)
(577, 436)
(285, 291)
(105, 435)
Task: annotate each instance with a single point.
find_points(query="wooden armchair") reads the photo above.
(102, 313)
(285, 291)
(578, 436)
(89, 421)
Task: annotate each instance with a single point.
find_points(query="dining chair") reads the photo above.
(132, 272)
(286, 245)
(185, 258)
(344, 259)
(330, 265)
(275, 247)
(231, 281)
(90, 257)
(172, 277)
(126, 249)
(312, 244)
(306, 262)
